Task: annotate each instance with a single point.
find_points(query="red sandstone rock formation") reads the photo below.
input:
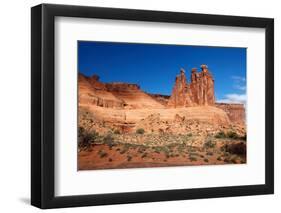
(162, 99)
(198, 93)
(113, 95)
(93, 92)
(118, 97)
(181, 94)
(202, 87)
(235, 112)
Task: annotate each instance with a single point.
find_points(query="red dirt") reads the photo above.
(104, 157)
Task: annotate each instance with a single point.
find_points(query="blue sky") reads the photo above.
(155, 66)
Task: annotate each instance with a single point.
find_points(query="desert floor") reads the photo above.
(116, 155)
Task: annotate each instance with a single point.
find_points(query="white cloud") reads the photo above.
(238, 78)
(240, 87)
(234, 98)
(239, 82)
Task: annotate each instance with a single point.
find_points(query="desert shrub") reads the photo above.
(181, 148)
(171, 145)
(219, 158)
(140, 131)
(102, 154)
(117, 132)
(244, 137)
(209, 144)
(125, 148)
(220, 134)
(189, 135)
(206, 160)
(109, 140)
(210, 153)
(110, 159)
(232, 134)
(123, 151)
(225, 154)
(165, 149)
(141, 149)
(157, 149)
(192, 158)
(129, 158)
(226, 160)
(86, 138)
(172, 155)
(144, 155)
(237, 148)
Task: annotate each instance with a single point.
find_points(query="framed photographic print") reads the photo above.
(139, 106)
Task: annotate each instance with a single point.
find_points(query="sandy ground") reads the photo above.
(116, 157)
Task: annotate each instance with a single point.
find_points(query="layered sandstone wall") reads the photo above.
(235, 112)
(113, 95)
(118, 95)
(200, 92)
(163, 99)
(94, 92)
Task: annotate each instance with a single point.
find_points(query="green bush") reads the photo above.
(86, 138)
(209, 144)
(140, 131)
(232, 134)
(229, 134)
(220, 134)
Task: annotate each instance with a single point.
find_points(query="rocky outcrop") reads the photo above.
(202, 87)
(94, 92)
(181, 94)
(162, 99)
(113, 95)
(125, 105)
(200, 91)
(235, 112)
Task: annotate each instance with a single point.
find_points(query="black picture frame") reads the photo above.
(43, 111)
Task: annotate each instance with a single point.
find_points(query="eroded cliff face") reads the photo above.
(235, 112)
(117, 95)
(200, 91)
(94, 92)
(126, 106)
